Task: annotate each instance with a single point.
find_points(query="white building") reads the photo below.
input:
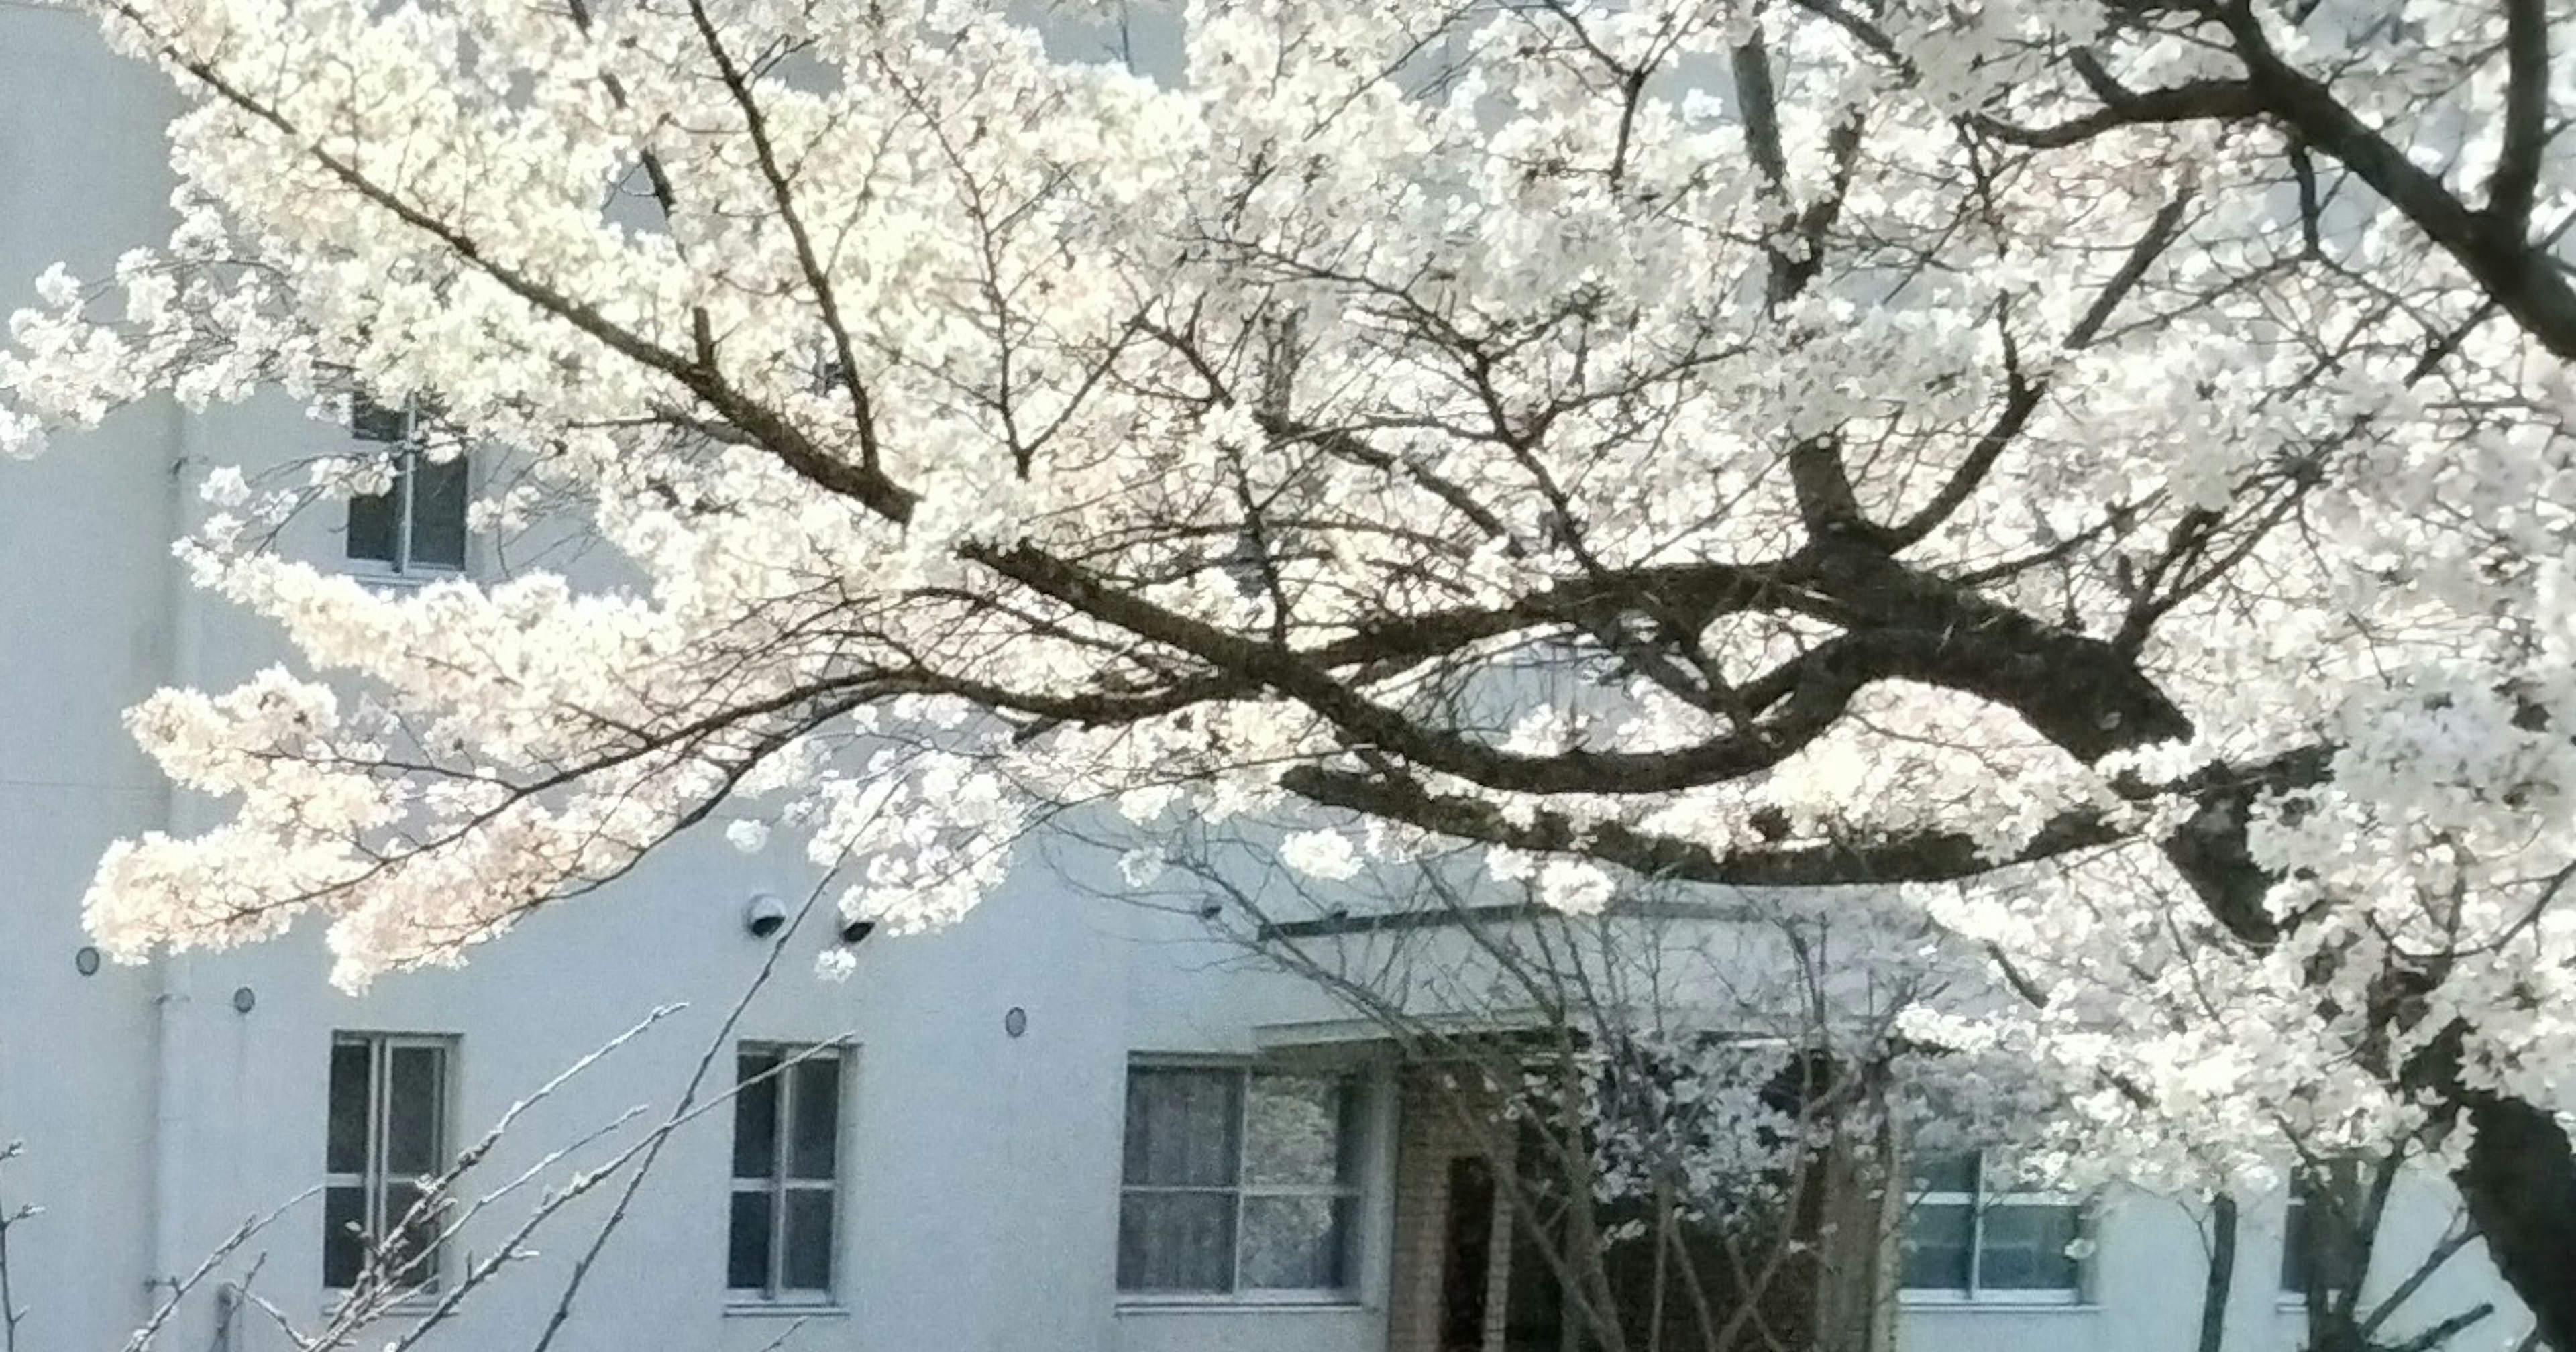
(954, 1171)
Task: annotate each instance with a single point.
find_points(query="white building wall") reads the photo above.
(981, 1195)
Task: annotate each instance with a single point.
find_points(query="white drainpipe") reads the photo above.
(176, 987)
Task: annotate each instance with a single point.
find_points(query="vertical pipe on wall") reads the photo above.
(175, 986)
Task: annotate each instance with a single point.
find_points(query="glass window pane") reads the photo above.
(344, 1149)
(1295, 1129)
(814, 1138)
(809, 1241)
(438, 498)
(1181, 1126)
(1937, 1236)
(755, 1116)
(344, 1213)
(1946, 1171)
(415, 1107)
(371, 527)
(1296, 1243)
(411, 1259)
(2295, 1245)
(747, 1243)
(1176, 1241)
(2025, 1248)
(371, 421)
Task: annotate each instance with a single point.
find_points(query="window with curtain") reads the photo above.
(1240, 1181)
(1971, 1234)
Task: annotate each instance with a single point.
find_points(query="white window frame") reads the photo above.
(772, 1292)
(408, 458)
(1979, 1200)
(1356, 1192)
(375, 1180)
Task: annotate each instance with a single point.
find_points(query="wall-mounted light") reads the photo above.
(764, 915)
(1015, 1021)
(85, 961)
(244, 999)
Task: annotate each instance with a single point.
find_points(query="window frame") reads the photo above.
(773, 1293)
(1979, 1200)
(375, 1179)
(409, 458)
(1362, 1118)
(2294, 1216)
(2327, 1255)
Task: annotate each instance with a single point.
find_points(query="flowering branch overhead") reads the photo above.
(1756, 444)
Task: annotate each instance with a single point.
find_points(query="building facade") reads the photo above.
(1062, 1125)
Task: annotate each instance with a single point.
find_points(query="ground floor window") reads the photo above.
(385, 1141)
(1972, 1234)
(1240, 1180)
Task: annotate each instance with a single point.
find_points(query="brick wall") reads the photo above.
(1436, 1108)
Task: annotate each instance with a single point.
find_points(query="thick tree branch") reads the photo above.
(1924, 856)
(2526, 115)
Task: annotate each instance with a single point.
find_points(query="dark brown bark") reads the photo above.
(2222, 1273)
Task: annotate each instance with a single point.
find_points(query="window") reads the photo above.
(418, 525)
(1239, 1181)
(786, 1173)
(2297, 1243)
(1970, 1237)
(387, 1137)
(2317, 1250)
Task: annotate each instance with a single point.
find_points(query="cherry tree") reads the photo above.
(1971, 448)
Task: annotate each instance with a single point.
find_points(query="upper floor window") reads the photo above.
(1971, 1235)
(1240, 1181)
(786, 1172)
(385, 1141)
(418, 525)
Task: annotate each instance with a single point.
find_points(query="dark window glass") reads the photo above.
(809, 1241)
(410, 1259)
(414, 1099)
(2297, 1243)
(345, 1138)
(344, 1248)
(371, 421)
(1939, 1237)
(755, 1116)
(2024, 1248)
(438, 499)
(373, 535)
(816, 1137)
(747, 1242)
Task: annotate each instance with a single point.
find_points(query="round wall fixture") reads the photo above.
(85, 961)
(1015, 1021)
(764, 915)
(244, 999)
